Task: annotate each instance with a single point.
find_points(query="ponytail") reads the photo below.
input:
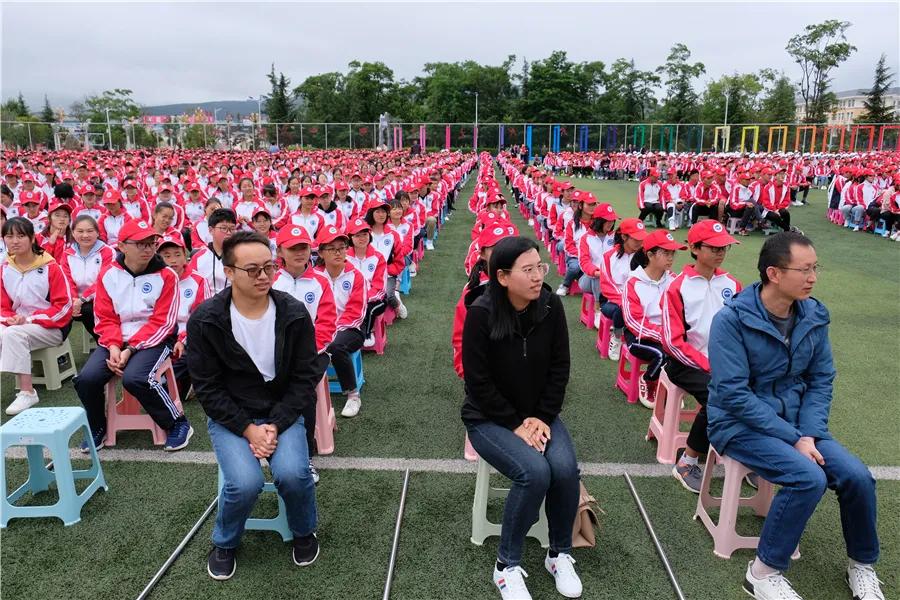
(478, 268)
(619, 243)
(639, 259)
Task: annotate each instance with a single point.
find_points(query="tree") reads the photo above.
(629, 93)
(778, 104)
(278, 104)
(115, 104)
(742, 92)
(681, 104)
(322, 98)
(47, 116)
(876, 109)
(367, 87)
(560, 91)
(818, 51)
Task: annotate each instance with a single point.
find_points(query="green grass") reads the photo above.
(411, 409)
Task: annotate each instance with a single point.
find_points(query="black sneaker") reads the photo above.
(306, 550)
(98, 439)
(221, 564)
(179, 435)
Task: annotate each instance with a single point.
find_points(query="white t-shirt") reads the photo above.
(257, 338)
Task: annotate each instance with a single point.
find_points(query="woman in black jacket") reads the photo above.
(515, 354)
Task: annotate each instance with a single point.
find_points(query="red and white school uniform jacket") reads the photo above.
(192, 292)
(591, 248)
(349, 290)
(110, 226)
(226, 198)
(706, 195)
(314, 291)
(82, 271)
(360, 199)
(390, 246)
(277, 210)
(573, 237)
(740, 197)
(194, 212)
(466, 298)
(311, 222)
(347, 208)
(562, 221)
(333, 217)
(775, 197)
(200, 234)
(648, 193)
(672, 192)
(57, 249)
(614, 272)
(39, 222)
(641, 304)
(137, 208)
(209, 266)
(374, 269)
(291, 203)
(405, 231)
(95, 211)
(244, 209)
(688, 308)
(39, 292)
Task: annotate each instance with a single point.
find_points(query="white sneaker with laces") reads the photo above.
(562, 290)
(672, 226)
(644, 396)
(369, 342)
(772, 587)
(531, 222)
(615, 347)
(567, 581)
(351, 408)
(511, 583)
(24, 400)
(429, 245)
(402, 312)
(864, 583)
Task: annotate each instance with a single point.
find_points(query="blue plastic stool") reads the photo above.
(405, 281)
(334, 386)
(53, 428)
(278, 523)
(880, 227)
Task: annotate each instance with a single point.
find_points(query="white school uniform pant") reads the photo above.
(17, 342)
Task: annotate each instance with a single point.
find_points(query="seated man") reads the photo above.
(136, 308)
(769, 399)
(254, 367)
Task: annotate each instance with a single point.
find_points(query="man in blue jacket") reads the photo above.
(769, 398)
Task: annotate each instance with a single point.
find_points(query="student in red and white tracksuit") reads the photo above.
(706, 198)
(597, 240)
(688, 307)
(740, 203)
(372, 265)
(136, 308)
(582, 217)
(615, 268)
(388, 243)
(349, 289)
(650, 277)
(774, 200)
(35, 307)
(308, 215)
(649, 200)
(192, 292)
(113, 217)
(207, 261)
(82, 263)
(58, 233)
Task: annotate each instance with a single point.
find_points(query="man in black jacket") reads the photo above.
(254, 367)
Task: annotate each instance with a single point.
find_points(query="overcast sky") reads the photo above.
(193, 52)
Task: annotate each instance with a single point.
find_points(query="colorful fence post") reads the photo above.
(583, 138)
(755, 130)
(447, 137)
(475, 138)
(881, 136)
(826, 137)
(804, 129)
(422, 137)
(500, 136)
(855, 131)
(528, 131)
(612, 137)
(782, 135)
(554, 146)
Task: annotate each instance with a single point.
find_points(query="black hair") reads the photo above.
(370, 214)
(212, 200)
(619, 243)
(776, 251)
(4, 190)
(64, 191)
(161, 206)
(22, 226)
(599, 223)
(221, 215)
(238, 239)
(503, 257)
(399, 196)
(478, 268)
(89, 219)
(639, 259)
(270, 189)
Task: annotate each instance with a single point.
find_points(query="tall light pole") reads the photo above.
(726, 136)
(258, 118)
(476, 122)
(108, 129)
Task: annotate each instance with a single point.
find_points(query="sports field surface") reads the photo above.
(410, 418)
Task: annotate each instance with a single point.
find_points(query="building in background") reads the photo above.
(850, 106)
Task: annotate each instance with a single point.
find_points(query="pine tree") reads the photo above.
(877, 111)
(47, 116)
(23, 108)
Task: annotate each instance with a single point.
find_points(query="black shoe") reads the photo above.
(314, 473)
(306, 550)
(98, 440)
(221, 564)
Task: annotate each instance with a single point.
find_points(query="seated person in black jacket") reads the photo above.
(254, 367)
(515, 354)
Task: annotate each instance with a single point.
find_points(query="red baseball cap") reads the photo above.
(710, 232)
(170, 239)
(111, 197)
(261, 210)
(28, 177)
(321, 190)
(329, 234)
(130, 183)
(58, 204)
(661, 238)
(633, 227)
(653, 172)
(495, 232)
(604, 211)
(357, 225)
(136, 230)
(341, 185)
(293, 235)
(32, 197)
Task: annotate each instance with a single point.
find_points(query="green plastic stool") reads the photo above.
(482, 528)
(278, 523)
(54, 365)
(53, 428)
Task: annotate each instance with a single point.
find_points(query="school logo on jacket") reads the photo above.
(188, 293)
(727, 293)
(386, 242)
(346, 286)
(97, 261)
(371, 267)
(40, 270)
(147, 287)
(310, 297)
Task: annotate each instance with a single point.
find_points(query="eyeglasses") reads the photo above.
(142, 245)
(226, 229)
(254, 271)
(533, 271)
(716, 249)
(817, 268)
(334, 249)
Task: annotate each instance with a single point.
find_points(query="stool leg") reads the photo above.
(479, 504)
(725, 535)
(69, 502)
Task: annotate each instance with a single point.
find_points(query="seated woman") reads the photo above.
(35, 307)
(583, 210)
(598, 239)
(58, 234)
(515, 357)
(389, 244)
(650, 277)
(81, 264)
(374, 268)
(615, 268)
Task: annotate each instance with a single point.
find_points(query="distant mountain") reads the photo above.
(232, 107)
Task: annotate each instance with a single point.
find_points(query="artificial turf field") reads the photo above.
(410, 409)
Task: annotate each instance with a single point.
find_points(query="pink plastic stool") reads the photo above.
(326, 423)
(390, 315)
(561, 264)
(574, 289)
(380, 331)
(127, 414)
(603, 335)
(666, 420)
(725, 538)
(469, 452)
(587, 310)
(630, 370)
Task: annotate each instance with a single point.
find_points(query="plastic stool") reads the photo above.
(880, 227)
(57, 364)
(561, 264)
(733, 224)
(603, 335)
(379, 329)
(87, 342)
(481, 527)
(126, 414)
(630, 370)
(326, 423)
(587, 310)
(405, 281)
(334, 386)
(278, 523)
(390, 315)
(53, 428)
(666, 420)
(725, 537)
(469, 452)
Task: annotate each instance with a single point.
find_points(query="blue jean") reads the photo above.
(552, 475)
(613, 312)
(803, 485)
(573, 270)
(244, 481)
(592, 285)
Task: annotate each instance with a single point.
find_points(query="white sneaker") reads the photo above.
(511, 583)
(856, 228)
(402, 313)
(369, 342)
(644, 396)
(351, 408)
(429, 245)
(597, 316)
(531, 222)
(864, 584)
(672, 226)
(567, 581)
(773, 587)
(562, 290)
(615, 347)
(24, 400)
(413, 271)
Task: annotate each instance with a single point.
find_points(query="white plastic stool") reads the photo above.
(57, 364)
(482, 528)
(733, 224)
